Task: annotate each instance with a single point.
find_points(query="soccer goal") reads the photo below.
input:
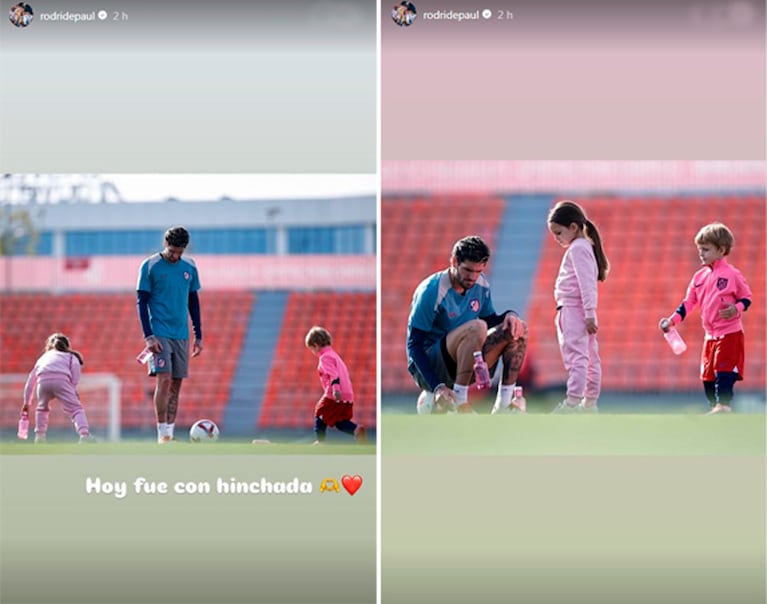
(99, 393)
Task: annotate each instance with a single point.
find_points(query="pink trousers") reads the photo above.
(580, 354)
(62, 390)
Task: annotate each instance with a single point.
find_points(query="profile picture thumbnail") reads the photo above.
(404, 13)
(21, 14)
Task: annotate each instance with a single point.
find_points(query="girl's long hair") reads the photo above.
(567, 212)
(60, 342)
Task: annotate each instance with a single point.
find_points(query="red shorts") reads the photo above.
(723, 354)
(331, 411)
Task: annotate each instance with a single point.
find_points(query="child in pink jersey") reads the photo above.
(56, 375)
(723, 296)
(575, 291)
(335, 408)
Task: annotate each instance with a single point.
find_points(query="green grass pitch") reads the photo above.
(605, 434)
(150, 447)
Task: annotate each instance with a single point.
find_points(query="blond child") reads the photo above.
(56, 375)
(335, 408)
(723, 295)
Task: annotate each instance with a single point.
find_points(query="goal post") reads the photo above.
(100, 394)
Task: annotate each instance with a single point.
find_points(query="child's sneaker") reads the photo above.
(40, 438)
(588, 408)
(564, 408)
(87, 439)
(719, 408)
(360, 435)
(161, 440)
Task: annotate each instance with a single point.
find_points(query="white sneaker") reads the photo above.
(564, 408)
(719, 408)
(590, 409)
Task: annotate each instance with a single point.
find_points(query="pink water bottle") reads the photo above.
(144, 356)
(481, 371)
(23, 432)
(673, 338)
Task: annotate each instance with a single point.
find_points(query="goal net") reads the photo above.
(99, 394)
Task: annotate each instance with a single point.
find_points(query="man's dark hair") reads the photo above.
(177, 236)
(471, 249)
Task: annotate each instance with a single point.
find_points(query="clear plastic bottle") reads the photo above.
(673, 338)
(481, 371)
(23, 432)
(144, 356)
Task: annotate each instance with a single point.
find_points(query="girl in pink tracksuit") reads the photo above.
(723, 296)
(583, 264)
(56, 375)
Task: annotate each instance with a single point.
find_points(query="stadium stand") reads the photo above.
(293, 387)
(104, 327)
(649, 241)
(74, 271)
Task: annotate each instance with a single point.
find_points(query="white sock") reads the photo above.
(503, 398)
(162, 429)
(170, 429)
(461, 393)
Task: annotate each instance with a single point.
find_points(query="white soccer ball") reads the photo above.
(425, 404)
(204, 431)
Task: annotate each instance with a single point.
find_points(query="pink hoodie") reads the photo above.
(576, 284)
(53, 364)
(712, 288)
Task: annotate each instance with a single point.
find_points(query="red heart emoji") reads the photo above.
(351, 483)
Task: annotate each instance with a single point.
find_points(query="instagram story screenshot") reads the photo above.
(572, 264)
(188, 291)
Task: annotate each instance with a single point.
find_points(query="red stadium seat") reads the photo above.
(351, 320)
(104, 327)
